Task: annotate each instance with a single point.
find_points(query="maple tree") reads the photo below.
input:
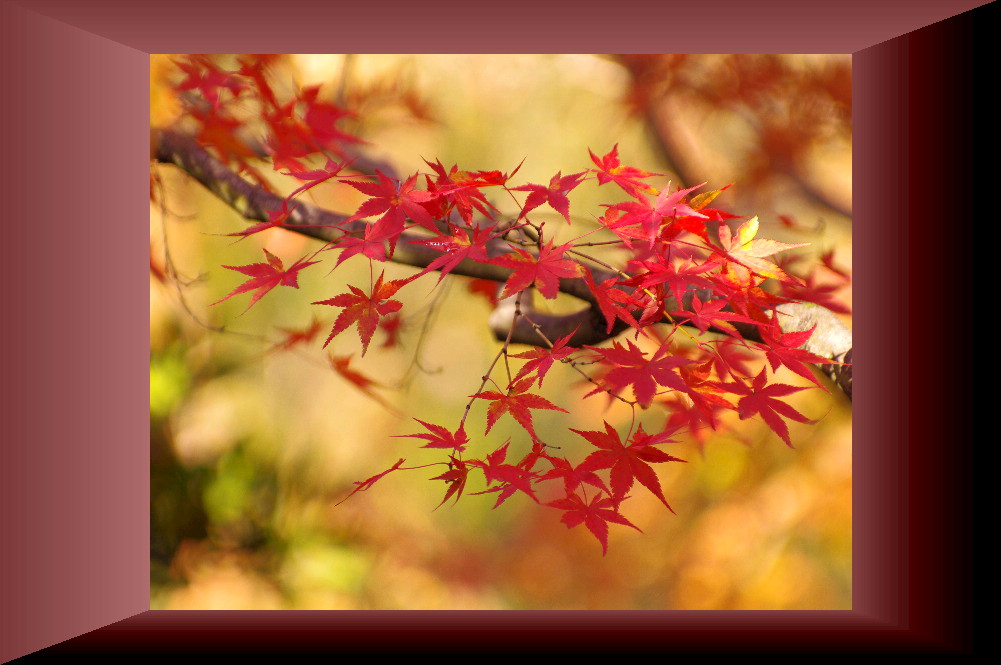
(672, 302)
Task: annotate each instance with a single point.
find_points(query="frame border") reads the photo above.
(73, 457)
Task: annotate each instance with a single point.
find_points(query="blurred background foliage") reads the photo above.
(252, 447)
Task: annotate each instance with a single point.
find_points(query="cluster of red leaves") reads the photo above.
(685, 267)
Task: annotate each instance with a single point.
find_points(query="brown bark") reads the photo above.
(831, 338)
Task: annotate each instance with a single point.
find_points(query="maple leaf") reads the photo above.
(594, 515)
(288, 141)
(255, 68)
(342, 365)
(205, 77)
(220, 132)
(517, 402)
(314, 177)
(392, 325)
(511, 478)
(748, 297)
(371, 245)
(266, 276)
(679, 278)
(394, 201)
(704, 394)
(572, 476)
(319, 119)
(749, 252)
(367, 484)
(728, 358)
(650, 216)
(555, 194)
(365, 310)
(461, 189)
(612, 302)
(457, 248)
(630, 367)
(455, 477)
(293, 138)
(484, 288)
(827, 258)
(610, 169)
(276, 219)
(627, 463)
(441, 437)
(759, 398)
(693, 417)
(809, 291)
(544, 271)
(294, 337)
(784, 349)
(541, 360)
(711, 315)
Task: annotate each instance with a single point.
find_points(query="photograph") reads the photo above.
(500, 332)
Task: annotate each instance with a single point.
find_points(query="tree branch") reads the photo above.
(831, 338)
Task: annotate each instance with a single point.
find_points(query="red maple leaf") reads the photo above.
(220, 132)
(818, 294)
(396, 203)
(595, 515)
(293, 138)
(511, 478)
(255, 67)
(613, 302)
(456, 249)
(555, 194)
(364, 309)
(783, 349)
(441, 437)
(704, 393)
(711, 315)
(827, 258)
(392, 325)
(294, 337)
(208, 79)
(370, 244)
(314, 177)
(544, 271)
(759, 398)
(484, 288)
(461, 189)
(610, 169)
(367, 484)
(631, 367)
(455, 477)
(517, 402)
(319, 119)
(266, 276)
(649, 216)
(572, 476)
(693, 417)
(541, 360)
(276, 219)
(729, 359)
(627, 463)
(342, 365)
(678, 277)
